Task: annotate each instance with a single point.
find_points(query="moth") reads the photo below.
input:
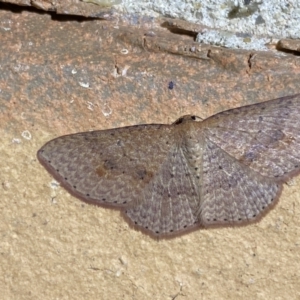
(226, 170)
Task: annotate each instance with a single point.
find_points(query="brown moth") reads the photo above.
(226, 170)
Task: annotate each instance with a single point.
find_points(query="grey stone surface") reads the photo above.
(261, 20)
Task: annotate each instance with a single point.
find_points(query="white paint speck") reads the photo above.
(124, 51)
(106, 110)
(84, 84)
(90, 105)
(16, 141)
(26, 135)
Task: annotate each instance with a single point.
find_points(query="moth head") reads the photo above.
(188, 118)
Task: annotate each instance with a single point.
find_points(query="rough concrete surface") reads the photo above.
(245, 24)
(60, 76)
